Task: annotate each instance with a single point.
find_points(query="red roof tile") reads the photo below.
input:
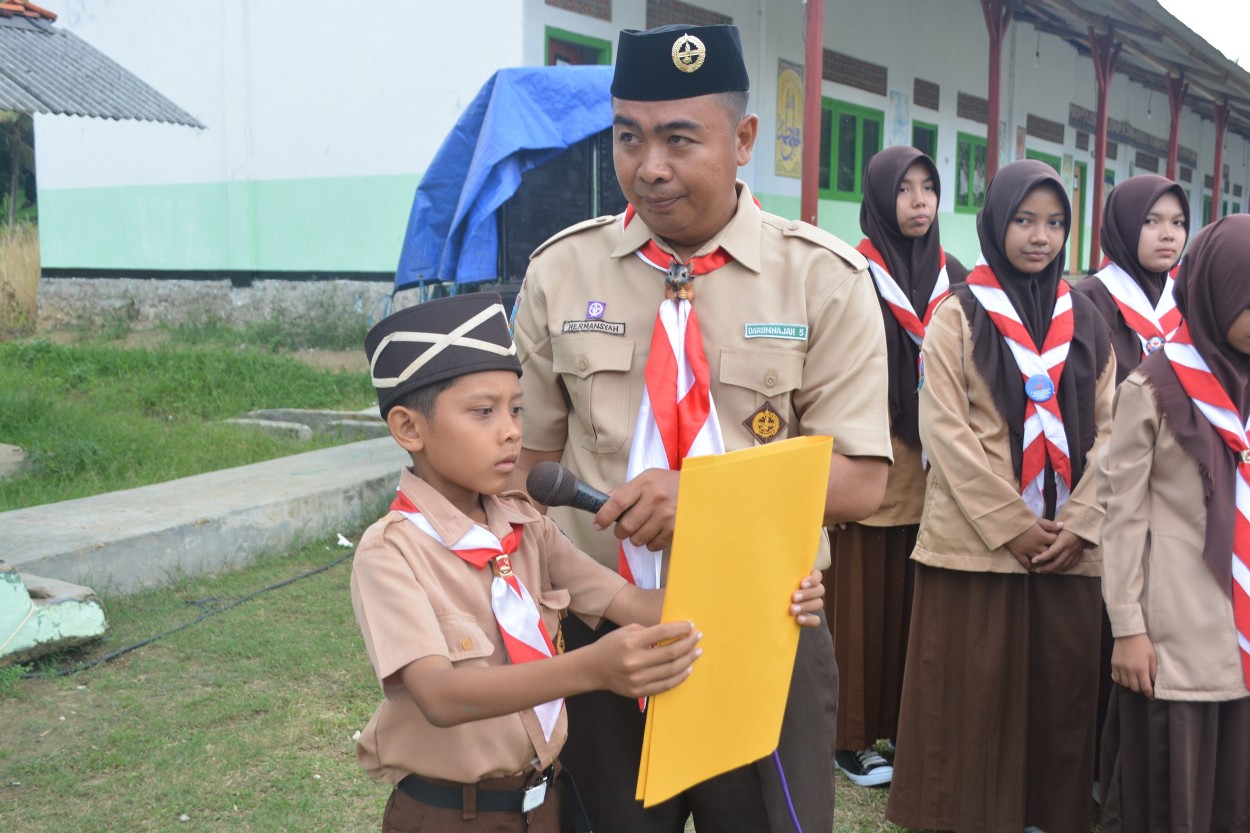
(8, 8)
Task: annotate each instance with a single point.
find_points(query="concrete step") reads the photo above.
(39, 616)
(125, 541)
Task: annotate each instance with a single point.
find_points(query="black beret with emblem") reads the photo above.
(436, 341)
(678, 61)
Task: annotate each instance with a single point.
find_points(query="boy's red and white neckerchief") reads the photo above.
(1210, 398)
(896, 299)
(1044, 435)
(524, 634)
(677, 418)
(1153, 324)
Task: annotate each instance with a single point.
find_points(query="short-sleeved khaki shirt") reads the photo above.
(415, 598)
(792, 323)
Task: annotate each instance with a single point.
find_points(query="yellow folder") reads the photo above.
(747, 531)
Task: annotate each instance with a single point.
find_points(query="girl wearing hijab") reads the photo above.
(996, 731)
(871, 577)
(1176, 749)
(1144, 232)
(1147, 223)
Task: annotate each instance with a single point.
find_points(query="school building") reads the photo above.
(321, 119)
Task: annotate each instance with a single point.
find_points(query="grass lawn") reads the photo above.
(98, 416)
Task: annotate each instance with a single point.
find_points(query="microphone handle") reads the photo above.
(588, 498)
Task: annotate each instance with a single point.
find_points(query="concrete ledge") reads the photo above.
(138, 538)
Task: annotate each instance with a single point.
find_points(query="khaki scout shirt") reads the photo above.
(972, 502)
(792, 321)
(904, 489)
(1154, 579)
(414, 598)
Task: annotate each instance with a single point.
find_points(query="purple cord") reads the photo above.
(785, 790)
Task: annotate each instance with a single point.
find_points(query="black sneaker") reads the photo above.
(866, 768)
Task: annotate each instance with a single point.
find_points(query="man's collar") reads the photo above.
(450, 522)
(740, 236)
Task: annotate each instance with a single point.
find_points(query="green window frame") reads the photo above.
(1054, 161)
(971, 167)
(924, 138)
(850, 135)
(603, 48)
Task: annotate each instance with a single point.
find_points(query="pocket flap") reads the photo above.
(769, 371)
(557, 599)
(583, 354)
(465, 640)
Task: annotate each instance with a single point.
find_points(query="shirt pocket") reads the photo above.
(595, 371)
(465, 638)
(749, 378)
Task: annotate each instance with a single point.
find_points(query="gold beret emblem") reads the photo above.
(688, 53)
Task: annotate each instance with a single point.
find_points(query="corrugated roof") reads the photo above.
(1155, 44)
(45, 69)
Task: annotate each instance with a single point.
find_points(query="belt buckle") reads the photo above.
(533, 796)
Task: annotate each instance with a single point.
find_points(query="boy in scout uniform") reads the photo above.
(458, 591)
(697, 323)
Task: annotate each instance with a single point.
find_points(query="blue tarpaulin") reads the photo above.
(520, 119)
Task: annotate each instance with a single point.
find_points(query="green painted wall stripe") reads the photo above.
(351, 224)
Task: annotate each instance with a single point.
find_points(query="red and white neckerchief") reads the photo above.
(1209, 397)
(524, 634)
(1044, 436)
(1153, 324)
(677, 418)
(896, 299)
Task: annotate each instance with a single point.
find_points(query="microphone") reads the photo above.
(552, 484)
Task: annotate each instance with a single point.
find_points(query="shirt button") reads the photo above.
(770, 380)
(582, 364)
(466, 643)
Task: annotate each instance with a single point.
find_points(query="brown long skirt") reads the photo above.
(1175, 767)
(868, 591)
(999, 700)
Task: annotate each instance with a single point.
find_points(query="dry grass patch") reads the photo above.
(19, 279)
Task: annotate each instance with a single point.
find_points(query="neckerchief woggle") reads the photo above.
(1214, 403)
(524, 635)
(1044, 437)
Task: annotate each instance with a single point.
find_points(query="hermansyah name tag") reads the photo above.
(795, 332)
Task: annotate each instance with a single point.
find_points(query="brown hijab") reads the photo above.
(1033, 297)
(914, 264)
(1127, 207)
(1212, 289)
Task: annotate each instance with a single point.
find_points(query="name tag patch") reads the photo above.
(612, 328)
(794, 332)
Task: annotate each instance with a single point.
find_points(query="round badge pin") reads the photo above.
(1039, 388)
(1153, 344)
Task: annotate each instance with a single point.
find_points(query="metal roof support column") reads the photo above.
(1221, 123)
(1176, 96)
(1105, 51)
(812, 76)
(997, 18)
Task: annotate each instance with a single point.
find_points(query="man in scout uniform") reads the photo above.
(696, 323)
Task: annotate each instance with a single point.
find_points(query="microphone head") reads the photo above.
(551, 484)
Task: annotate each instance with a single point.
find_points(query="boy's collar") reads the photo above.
(450, 522)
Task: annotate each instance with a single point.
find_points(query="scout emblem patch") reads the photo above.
(596, 309)
(689, 53)
(765, 424)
